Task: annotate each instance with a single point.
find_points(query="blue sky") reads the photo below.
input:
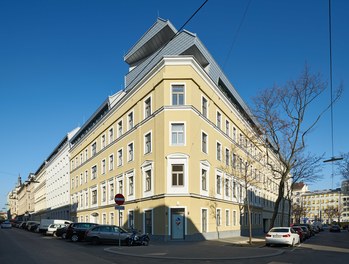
(60, 59)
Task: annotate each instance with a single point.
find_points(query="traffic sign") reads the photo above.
(119, 207)
(119, 199)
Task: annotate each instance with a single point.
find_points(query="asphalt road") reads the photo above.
(19, 246)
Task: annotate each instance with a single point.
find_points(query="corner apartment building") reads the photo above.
(165, 142)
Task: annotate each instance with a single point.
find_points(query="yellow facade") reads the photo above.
(158, 205)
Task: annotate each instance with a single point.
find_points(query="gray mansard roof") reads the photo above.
(161, 40)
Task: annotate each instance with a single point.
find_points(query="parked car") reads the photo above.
(335, 228)
(32, 225)
(51, 229)
(107, 234)
(282, 235)
(306, 231)
(61, 232)
(310, 228)
(6, 224)
(76, 231)
(302, 234)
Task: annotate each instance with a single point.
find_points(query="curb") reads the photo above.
(161, 255)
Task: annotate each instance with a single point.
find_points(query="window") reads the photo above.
(227, 127)
(111, 135)
(120, 128)
(177, 134)
(218, 217)
(104, 219)
(177, 94)
(148, 180)
(219, 184)
(103, 142)
(130, 120)
(147, 143)
(204, 107)
(219, 120)
(86, 199)
(111, 191)
(204, 142)
(111, 162)
(227, 217)
(233, 161)
(204, 179)
(72, 183)
(227, 187)
(103, 166)
(227, 157)
(234, 134)
(121, 186)
(178, 175)
(94, 149)
(81, 158)
(86, 176)
(130, 185)
(94, 172)
(104, 193)
(130, 152)
(148, 221)
(94, 197)
(112, 218)
(204, 220)
(86, 154)
(131, 219)
(147, 107)
(234, 218)
(120, 157)
(219, 151)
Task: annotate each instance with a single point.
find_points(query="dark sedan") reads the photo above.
(76, 231)
(335, 228)
(107, 234)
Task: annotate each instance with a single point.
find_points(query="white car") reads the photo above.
(6, 224)
(51, 230)
(282, 235)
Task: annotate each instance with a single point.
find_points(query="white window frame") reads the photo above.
(131, 195)
(227, 217)
(111, 193)
(202, 145)
(219, 219)
(145, 143)
(220, 174)
(111, 134)
(103, 141)
(118, 179)
(173, 159)
(172, 85)
(93, 149)
(130, 125)
(129, 156)
(146, 166)
(219, 120)
(111, 162)
(92, 189)
(205, 114)
(103, 166)
(146, 115)
(92, 178)
(120, 131)
(171, 132)
(120, 160)
(205, 165)
(104, 193)
(219, 153)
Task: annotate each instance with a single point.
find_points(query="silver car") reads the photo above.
(107, 234)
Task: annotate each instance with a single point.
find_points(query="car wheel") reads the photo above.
(75, 238)
(292, 245)
(64, 235)
(145, 242)
(267, 244)
(54, 234)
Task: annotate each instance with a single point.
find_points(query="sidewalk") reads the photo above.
(222, 249)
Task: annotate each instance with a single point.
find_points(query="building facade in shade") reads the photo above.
(26, 198)
(58, 180)
(173, 142)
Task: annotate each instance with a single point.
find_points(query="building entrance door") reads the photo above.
(177, 223)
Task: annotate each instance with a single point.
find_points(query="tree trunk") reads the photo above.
(277, 202)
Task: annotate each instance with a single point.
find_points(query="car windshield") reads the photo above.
(279, 230)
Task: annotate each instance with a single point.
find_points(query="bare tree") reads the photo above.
(242, 163)
(282, 113)
(307, 170)
(331, 212)
(343, 166)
